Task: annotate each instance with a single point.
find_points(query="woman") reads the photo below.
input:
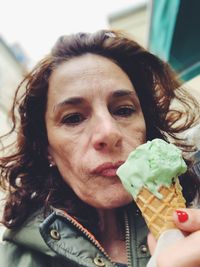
(86, 106)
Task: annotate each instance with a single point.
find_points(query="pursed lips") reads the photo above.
(107, 169)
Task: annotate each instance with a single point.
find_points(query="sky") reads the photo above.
(36, 24)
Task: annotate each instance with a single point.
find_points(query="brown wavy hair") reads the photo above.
(25, 172)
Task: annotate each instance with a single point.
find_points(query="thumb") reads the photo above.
(187, 220)
(151, 241)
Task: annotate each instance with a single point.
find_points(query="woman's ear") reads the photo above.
(50, 159)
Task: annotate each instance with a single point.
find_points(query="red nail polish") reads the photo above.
(182, 216)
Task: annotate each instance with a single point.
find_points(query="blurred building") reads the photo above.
(135, 21)
(12, 70)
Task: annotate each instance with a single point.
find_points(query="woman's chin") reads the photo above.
(112, 203)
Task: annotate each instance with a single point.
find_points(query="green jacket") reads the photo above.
(60, 241)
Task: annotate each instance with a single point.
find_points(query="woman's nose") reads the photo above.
(107, 135)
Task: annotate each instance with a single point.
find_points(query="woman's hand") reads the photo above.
(185, 252)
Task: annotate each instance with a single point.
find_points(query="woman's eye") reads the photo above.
(124, 111)
(73, 119)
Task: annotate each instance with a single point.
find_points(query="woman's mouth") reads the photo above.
(107, 169)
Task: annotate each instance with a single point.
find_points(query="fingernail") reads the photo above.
(182, 216)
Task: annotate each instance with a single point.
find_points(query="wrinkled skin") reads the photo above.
(94, 120)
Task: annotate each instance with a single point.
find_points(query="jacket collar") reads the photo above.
(28, 234)
(36, 233)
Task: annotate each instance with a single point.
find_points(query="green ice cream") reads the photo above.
(151, 165)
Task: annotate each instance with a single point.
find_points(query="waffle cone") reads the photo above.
(158, 212)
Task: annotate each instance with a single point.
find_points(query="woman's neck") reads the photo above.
(112, 235)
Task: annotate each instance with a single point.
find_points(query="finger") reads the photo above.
(151, 241)
(187, 220)
(184, 253)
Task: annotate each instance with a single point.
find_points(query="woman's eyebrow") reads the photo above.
(79, 100)
(69, 101)
(122, 93)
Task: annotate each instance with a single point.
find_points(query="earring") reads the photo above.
(51, 165)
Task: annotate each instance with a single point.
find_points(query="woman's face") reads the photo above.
(94, 120)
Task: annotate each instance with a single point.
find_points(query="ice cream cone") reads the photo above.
(158, 212)
(150, 174)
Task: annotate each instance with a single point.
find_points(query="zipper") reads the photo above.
(83, 230)
(127, 239)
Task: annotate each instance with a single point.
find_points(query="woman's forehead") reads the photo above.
(87, 63)
(88, 74)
